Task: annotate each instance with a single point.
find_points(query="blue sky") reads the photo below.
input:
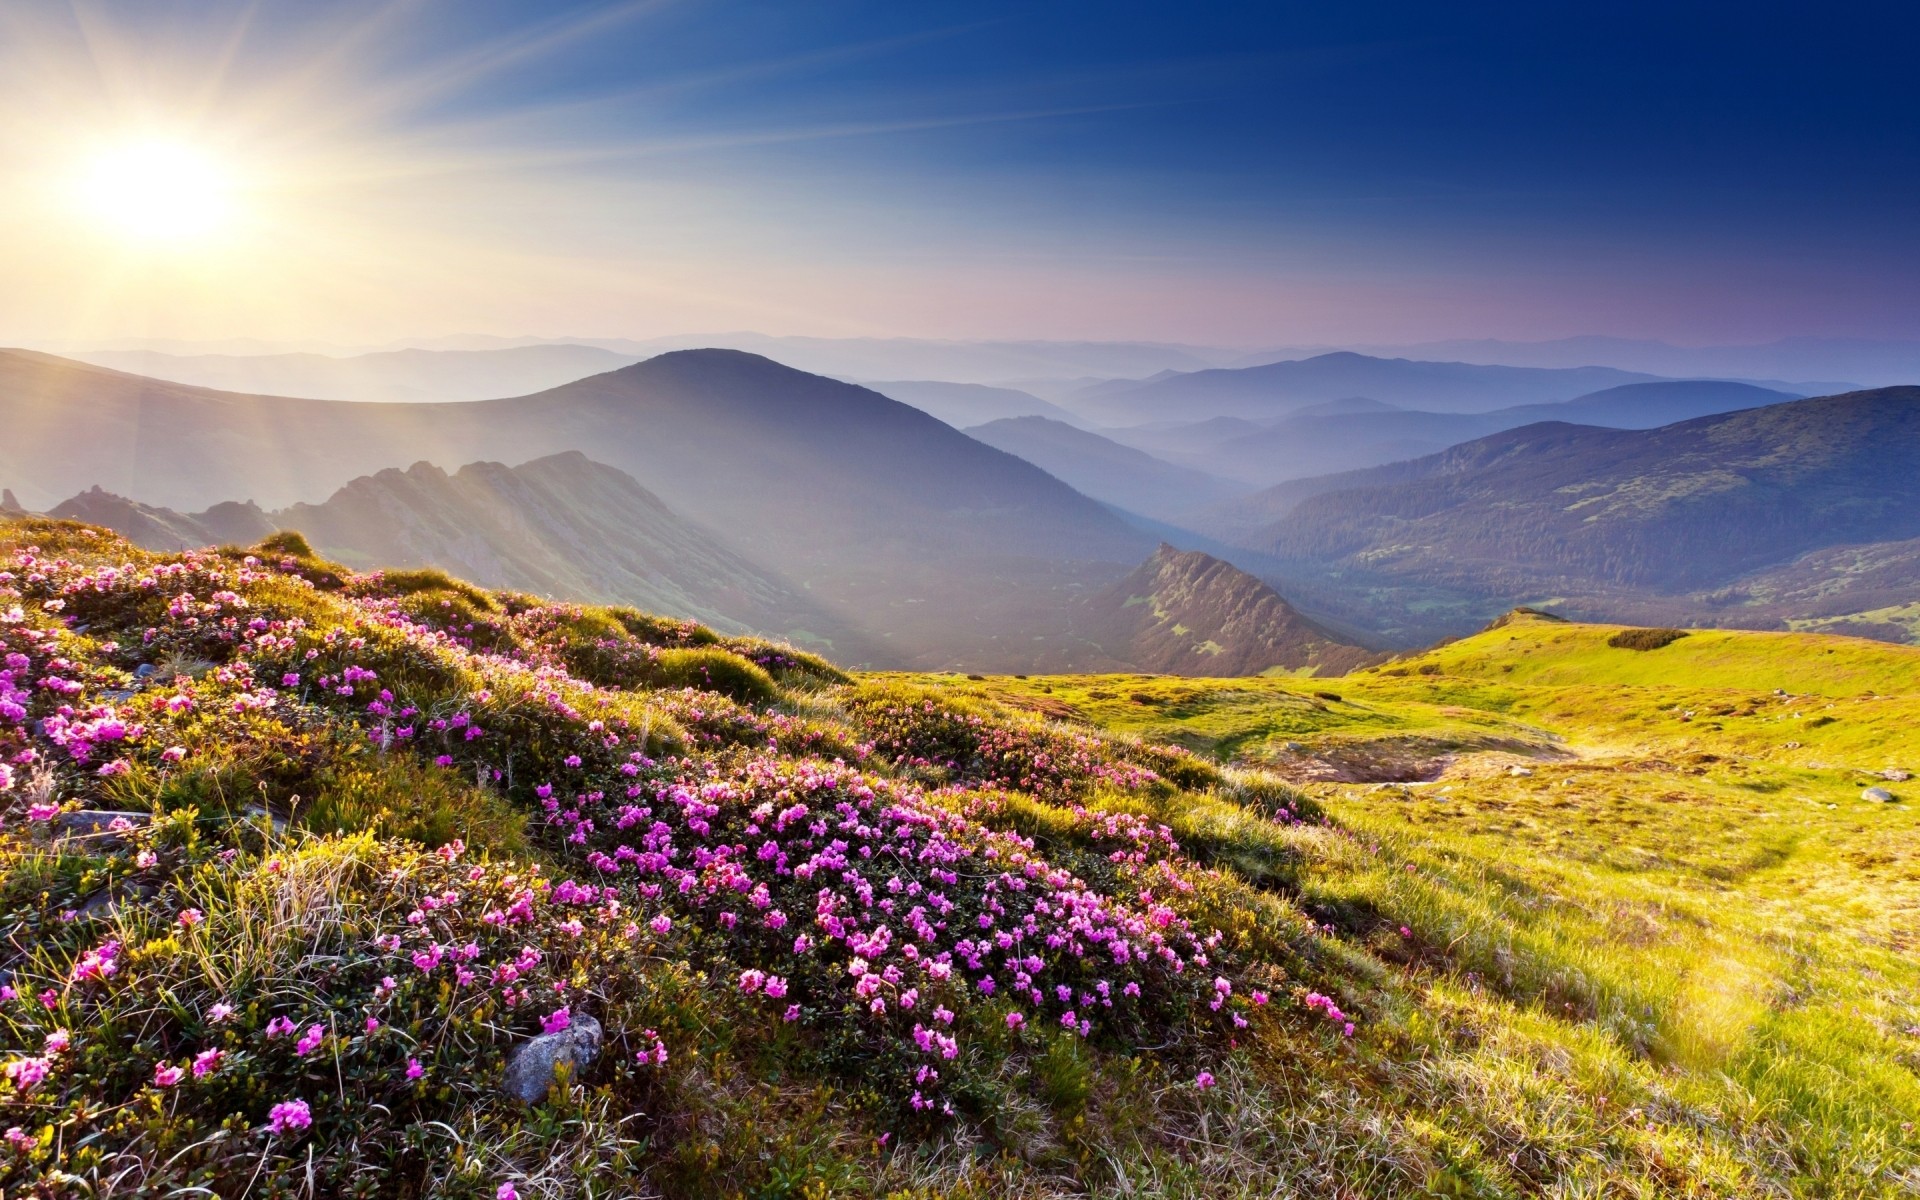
(1247, 174)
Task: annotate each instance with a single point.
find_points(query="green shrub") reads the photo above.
(1645, 639)
(395, 797)
(713, 670)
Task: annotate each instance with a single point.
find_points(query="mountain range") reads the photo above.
(945, 549)
(1276, 389)
(1349, 434)
(1708, 519)
(753, 495)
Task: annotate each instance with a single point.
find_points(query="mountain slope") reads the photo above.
(1104, 469)
(1186, 613)
(391, 375)
(1278, 388)
(963, 404)
(1679, 506)
(561, 526)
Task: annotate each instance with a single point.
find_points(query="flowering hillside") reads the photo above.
(295, 858)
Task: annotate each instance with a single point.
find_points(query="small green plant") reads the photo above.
(1645, 639)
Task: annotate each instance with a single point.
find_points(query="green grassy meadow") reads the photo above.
(1621, 894)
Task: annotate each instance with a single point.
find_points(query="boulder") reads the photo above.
(1896, 775)
(98, 826)
(1877, 795)
(535, 1064)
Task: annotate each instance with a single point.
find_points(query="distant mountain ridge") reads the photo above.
(1275, 389)
(1310, 443)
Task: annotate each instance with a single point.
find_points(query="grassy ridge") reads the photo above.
(1638, 868)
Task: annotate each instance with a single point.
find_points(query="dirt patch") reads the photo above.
(1406, 760)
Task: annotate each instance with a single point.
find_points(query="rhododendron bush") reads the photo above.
(294, 858)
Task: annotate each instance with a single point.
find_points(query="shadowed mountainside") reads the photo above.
(561, 526)
(1186, 613)
(963, 404)
(1106, 470)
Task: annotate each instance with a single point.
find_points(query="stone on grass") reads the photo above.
(534, 1065)
(1877, 795)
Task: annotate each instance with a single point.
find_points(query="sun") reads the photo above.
(157, 192)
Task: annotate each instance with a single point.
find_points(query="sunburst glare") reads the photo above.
(157, 192)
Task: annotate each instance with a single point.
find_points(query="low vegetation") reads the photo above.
(297, 861)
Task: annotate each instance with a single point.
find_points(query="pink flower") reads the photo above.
(26, 1073)
(19, 1139)
(751, 981)
(776, 987)
(58, 1041)
(793, 1012)
(173, 754)
(166, 1075)
(414, 1069)
(98, 963)
(310, 1041)
(1015, 1020)
(557, 1020)
(506, 1192)
(207, 1062)
(1203, 1080)
(289, 1116)
(189, 917)
(42, 812)
(661, 924)
(219, 1013)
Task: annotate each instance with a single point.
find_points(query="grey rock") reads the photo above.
(1877, 795)
(1896, 775)
(534, 1064)
(96, 825)
(1520, 772)
(1295, 748)
(255, 811)
(143, 670)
